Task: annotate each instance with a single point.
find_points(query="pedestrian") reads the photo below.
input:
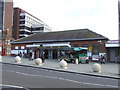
(102, 59)
(30, 56)
(20, 54)
(71, 58)
(23, 54)
(43, 57)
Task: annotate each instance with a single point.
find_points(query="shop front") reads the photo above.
(52, 50)
(113, 51)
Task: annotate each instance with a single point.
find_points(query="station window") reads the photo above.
(22, 47)
(16, 47)
(75, 45)
(84, 45)
(95, 49)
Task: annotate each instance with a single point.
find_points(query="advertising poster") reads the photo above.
(89, 53)
(95, 57)
(14, 52)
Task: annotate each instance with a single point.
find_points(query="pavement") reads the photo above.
(108, 70)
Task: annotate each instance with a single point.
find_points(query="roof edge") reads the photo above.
(60, 40)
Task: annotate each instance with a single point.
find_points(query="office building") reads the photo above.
(25, 24)
(6, 23)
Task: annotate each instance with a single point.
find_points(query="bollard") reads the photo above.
(96, 68)
(18, 59)
(0, 58)
(63, 64)
(38, 61)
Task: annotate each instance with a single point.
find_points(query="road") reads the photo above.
(29, 77)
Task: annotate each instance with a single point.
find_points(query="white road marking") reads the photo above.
(51, 77)
(61, 79)
(97, 77)
(11, 86)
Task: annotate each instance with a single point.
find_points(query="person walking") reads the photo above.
(30, 56)
(102, 59)
(23, 54)
(71, 58)
(43, 57)
(20, 54)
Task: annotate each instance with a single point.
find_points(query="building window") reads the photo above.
(16, 47)
(95, 49)
(22, 47)
(25, 27)
(22, 27)
(22, 17)
(37, 29)
(22, 22)
(23, 32)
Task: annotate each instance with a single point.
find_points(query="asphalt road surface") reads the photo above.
(29, 77)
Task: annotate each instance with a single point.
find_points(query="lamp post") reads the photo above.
(6, 40)
(3, 43)
(0, 42)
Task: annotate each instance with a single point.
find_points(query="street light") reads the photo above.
(6, 40)
(0, 42)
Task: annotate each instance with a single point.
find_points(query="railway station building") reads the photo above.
(53, 43)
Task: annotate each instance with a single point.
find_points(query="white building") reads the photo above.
(26, 24)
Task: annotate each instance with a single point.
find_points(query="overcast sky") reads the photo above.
(100, 16)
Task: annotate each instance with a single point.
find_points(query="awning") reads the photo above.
(56, 44)
(65, 44)
(32, 46)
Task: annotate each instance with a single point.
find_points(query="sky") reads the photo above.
(100, 16)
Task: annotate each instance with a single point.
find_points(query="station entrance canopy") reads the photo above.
(49, 45)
